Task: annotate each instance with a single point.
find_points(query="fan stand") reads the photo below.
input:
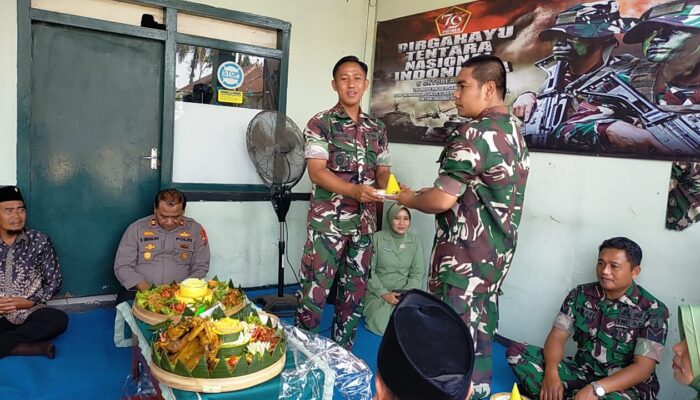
(281, 305)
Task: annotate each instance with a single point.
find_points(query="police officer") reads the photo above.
(619, 329)
(478, 199)
(347, 154)
(162, 248)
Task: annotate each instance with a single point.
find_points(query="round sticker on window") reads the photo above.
(230, 75)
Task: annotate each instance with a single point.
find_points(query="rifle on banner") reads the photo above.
(680, 133)
(552, 103)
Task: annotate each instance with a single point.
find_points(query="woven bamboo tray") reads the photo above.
(219, 385)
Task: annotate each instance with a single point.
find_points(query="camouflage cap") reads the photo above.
(684, 13)
(589, 20)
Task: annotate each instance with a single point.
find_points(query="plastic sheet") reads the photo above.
(139, 387)
(322, 368)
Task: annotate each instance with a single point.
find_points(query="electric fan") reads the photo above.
(276, 147)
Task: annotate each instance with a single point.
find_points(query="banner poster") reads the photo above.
(611, 77)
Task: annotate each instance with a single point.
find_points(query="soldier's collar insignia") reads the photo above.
(149, 233)
(153, 222)
(184, 234)
(182, 222)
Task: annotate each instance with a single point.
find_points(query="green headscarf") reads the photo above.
(689, 323)
(391, 213)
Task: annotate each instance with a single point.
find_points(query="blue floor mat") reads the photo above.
(367, 345)
(87, 364)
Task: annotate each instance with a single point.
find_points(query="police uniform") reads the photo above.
(485, 164)
(150, 253)
(608, 334)
(339, 228)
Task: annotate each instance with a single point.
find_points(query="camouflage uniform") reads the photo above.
(339, 228)
(608, 334)
(485, 163)
(599, 19)
(585, 129)
(683, 206)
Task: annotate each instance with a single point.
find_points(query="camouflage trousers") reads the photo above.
(527, 362)
(324, 256)
(480, 312)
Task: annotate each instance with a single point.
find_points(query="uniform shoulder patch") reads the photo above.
(203, 234)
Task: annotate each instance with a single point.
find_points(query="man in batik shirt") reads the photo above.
(619, 329)
(29, 277)
(478, 199)
(347, 157)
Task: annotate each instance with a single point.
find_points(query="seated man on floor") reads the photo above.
(427, 352)
(161, 248)
(29, 276)
(619, 328)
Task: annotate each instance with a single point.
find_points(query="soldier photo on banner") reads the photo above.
(608, 77)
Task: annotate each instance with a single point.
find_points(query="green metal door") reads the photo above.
(96, 110)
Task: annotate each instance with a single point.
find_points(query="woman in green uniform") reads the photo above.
(397, 266)
(686, 353)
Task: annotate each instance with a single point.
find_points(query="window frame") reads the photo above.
(171, 38)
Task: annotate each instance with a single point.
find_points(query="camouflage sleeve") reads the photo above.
(462, 161)
(683, 205)
(585, 127)
(316, 138)
(652, 337)
(565, 319)
(384, 156)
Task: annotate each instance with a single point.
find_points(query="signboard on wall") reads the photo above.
(617, 78)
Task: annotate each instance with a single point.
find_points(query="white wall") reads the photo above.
(572, 203)
(8, 101)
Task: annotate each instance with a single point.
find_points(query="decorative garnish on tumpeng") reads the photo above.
(218, 348)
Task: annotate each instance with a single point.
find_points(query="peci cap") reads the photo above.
(427, 351)
(10, 193)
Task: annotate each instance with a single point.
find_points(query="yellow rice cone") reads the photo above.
(393, 186)
(515, 394)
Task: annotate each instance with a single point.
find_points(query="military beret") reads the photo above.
(589, 20)
(427, 351)
(10, 193)
(683, 14)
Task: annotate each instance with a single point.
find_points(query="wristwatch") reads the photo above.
(598, 389)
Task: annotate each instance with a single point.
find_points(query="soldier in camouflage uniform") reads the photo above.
(668, 76)
(478, 199)
(582, 39)
(347, 154)
(620, 331)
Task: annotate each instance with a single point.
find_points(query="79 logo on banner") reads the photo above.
(452, 21)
